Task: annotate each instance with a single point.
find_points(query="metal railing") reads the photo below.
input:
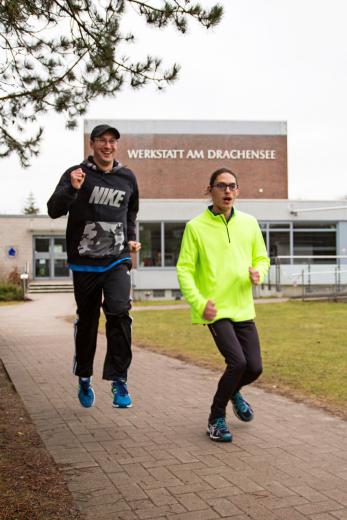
(325, 273)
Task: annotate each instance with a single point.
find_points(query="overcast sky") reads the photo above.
(281, 60)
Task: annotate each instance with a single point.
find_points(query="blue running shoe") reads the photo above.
(121, 396)
(219, 431)
(242, 409)
(86, 393)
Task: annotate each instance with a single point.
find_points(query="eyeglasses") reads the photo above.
(103, 141)
(223, 186)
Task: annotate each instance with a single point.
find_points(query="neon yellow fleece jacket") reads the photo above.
(213, 264)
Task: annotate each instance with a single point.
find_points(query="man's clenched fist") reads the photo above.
(77, 178)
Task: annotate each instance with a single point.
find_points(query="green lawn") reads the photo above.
(151, 303)
(304, 346)
(10, 303)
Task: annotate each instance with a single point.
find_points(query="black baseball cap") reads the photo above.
(101, 129)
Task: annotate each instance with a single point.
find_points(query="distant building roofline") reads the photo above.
(196, 126)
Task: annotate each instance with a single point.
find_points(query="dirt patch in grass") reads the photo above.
(31, 485)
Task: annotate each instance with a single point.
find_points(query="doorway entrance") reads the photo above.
(50, 259)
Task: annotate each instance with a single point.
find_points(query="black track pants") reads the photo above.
(110, 289)
(238, 342)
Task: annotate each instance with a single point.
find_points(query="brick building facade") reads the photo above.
(173, 159)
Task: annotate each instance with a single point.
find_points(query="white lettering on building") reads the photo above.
(221, 154)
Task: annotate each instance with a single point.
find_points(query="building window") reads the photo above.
(158, 293)
(161, 243)
(279, 245)
(173, 232)
(150, 238)
(315, 243)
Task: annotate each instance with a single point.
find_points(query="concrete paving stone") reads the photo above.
(87, 480)
(137, 452)
(107, 463)
(166, 511)
(279, 490)
(159, 463)
(192, 502)
(208, 514)
(159, 455)
(188, 476)
(308, 492)
(70, 458)
(214, 470)
(189, 488)
(130, 491)
(87, 502)
(136, 471)
(113, 448)
(337, 494)
(224, 492)
(244, 483)
(161, 497)
(187, 466)
(283, 502)
(289, 513)
(252, 506)
(326, 506)
(322, 516)
(341, 515)
(110, 516)
(216, 481)
(326, 482)
(224, 507)
(162, 473)
(153, 483)
(93, 447)
(111, 508)
(184, 456)
(236, 517)
(265, 473)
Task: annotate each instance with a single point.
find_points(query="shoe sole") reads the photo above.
(119, 406)
(242, 418)
(217, 439)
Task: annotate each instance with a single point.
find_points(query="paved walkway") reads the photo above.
(154, 461)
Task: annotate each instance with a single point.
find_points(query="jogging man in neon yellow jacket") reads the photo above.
(222, 255)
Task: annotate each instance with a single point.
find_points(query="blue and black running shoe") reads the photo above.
(219, 431)
(121, 396)
(242, 409)
(86, 394)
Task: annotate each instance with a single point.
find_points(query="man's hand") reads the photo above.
(77, 178)
(134, 246)
(254, 276)
(210, 311)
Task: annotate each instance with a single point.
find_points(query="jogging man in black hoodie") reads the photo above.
(101, 197)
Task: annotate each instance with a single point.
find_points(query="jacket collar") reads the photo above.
(211, 212)
(89, 163)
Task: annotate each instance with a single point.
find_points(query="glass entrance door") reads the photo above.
(50, 258)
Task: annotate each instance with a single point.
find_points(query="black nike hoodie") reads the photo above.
(102, 213)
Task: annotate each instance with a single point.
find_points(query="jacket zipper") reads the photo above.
(226, 225)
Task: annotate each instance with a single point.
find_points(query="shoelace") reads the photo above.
(121, 388)
(220, 424)
(85, 387)
(240, 403)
